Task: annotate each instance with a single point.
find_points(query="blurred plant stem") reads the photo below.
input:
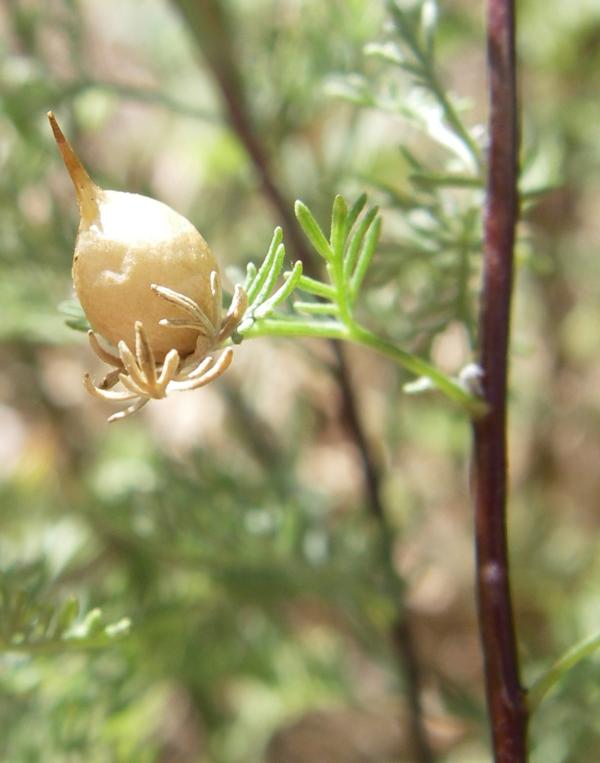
(402, 629)
(210, 25)
(505, 697)
(544, 684)
(133, 93)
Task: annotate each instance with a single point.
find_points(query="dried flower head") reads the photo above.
(150, 286)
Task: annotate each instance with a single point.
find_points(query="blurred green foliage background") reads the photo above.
(232, 526)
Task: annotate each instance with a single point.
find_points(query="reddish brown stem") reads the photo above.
(403, 641)
(209, 23)
(505, 697)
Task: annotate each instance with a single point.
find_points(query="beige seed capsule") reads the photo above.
(127, 242)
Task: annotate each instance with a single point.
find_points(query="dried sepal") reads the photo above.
(103, 354)
(216, 370)
(111, 378)
(236, 312)
(134, 408)
(106, 394)
(198, 320)
(144, 379)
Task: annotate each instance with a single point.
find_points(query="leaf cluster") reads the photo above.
(31, 624)
(347, 255)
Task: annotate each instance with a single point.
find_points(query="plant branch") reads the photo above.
(134, 93)
(425, 69)
(505, 697)
(219, 53)
(402, 630)
(353, 332)
(209, 23)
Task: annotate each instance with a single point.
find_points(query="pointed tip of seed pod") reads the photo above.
(87, 191)
(58, 135)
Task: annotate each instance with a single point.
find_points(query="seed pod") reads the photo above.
(126, 243)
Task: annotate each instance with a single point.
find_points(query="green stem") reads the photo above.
(353, 332)
(419, 367)
(297, 328)
(545, 682)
